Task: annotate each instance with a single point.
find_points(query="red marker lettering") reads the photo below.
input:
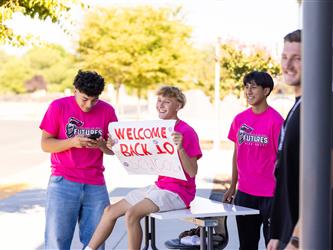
(129, 133)
(168, 147)
(119, 133)
(124, 150)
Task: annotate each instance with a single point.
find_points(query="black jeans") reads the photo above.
(249, 225)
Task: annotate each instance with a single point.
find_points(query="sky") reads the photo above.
(259, 22)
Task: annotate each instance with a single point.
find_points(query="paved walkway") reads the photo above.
(22, 214)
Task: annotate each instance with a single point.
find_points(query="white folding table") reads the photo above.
(203, 213)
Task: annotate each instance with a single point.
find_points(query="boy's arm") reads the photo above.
(228, 196)
(189, 164)
(50, 144)
(106, 145)
(105, 149)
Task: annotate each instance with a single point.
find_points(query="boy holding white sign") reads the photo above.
(167, 193)
(146, 147)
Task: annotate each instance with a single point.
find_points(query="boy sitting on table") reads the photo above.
(167, 193)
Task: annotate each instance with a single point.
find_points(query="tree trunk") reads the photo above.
(118, 104)
(138, 107)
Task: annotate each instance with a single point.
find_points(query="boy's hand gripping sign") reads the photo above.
(146, 147)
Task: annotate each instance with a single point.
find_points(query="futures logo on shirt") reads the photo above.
(74, 127)
(244, 135)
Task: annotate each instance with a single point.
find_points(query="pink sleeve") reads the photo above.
(112, 118)
(50, 122)
(233, 131)
(191, 144)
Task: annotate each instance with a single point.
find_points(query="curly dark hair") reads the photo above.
(89, 83)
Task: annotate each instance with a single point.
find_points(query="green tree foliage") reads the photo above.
(236, 60)
(54, 63)
(41, 9)
(201, 70)
(139, 47)
(13, 74)
(4, 57)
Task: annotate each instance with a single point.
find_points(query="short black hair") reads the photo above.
(261, 78)
(294, 37)
(89, 83)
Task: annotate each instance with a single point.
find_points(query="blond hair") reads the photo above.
(173, 92)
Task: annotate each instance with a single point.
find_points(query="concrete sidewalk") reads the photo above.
(22, 214)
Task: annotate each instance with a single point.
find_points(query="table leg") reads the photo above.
(146, 234)
(203, 245)
(210, 238)
(152, 233)
(149, 233)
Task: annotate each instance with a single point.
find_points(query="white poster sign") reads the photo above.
(146, 147)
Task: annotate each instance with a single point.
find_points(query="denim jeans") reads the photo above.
(70, 202)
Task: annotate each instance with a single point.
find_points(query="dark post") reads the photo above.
(316, 125)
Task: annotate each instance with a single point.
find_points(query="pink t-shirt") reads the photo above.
(256, 137)
(185, 189)
(64, 119)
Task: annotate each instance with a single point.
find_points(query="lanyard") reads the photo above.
(284, 127)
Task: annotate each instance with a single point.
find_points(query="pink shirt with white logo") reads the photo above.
(185, 189)
(256, 137)
(64, 119)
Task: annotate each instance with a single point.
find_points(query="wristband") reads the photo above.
(294, 241)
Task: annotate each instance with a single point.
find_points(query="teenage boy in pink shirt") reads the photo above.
(255, 133)
(76, 191)
(167, 193)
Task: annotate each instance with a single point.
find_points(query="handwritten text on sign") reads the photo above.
(146, 147)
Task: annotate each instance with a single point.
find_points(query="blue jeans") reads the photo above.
(70, 202)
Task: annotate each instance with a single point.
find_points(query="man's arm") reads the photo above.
(228, 196)
(273, 244)
(294, 240)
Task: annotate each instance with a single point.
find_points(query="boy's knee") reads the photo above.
(107, 210)
(110, 212)
(131, 216)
